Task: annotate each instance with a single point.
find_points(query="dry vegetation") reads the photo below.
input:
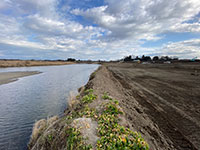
(27, 63)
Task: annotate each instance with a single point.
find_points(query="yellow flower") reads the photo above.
(124, 140)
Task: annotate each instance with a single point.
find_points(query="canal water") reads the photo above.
(36, 97)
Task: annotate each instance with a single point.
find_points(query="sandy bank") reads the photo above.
(6, 77)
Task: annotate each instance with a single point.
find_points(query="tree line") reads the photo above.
(148, 58)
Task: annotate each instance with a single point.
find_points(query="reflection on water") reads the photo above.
(34, 97)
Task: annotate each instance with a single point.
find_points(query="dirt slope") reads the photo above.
(137, 119)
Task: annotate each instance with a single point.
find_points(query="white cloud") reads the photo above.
(29, 7)
(120, 26)
(183, 49)
(186, 27)
(22, 43)
(142, 19)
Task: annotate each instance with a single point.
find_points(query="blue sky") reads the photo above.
(98, 29)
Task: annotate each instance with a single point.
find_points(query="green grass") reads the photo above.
(50, 137)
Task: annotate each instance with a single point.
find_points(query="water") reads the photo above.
(35, 97)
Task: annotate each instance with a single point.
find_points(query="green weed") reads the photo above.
(89, 98)
(114, 136)
(75, 140)
(106, 97)
(89, 91)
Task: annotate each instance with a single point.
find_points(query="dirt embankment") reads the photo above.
(134, 114)
(28, 63)
(159, 101)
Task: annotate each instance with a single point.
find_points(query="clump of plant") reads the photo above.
(89, 91)
(114, 136)
(75, 140)
(78, 96)
(88, 113)
(106, 97)
(50, 137)
(89, 97)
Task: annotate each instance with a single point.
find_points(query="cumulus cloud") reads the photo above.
(39, 31)
(114, 29)
(183, 49)
(28, 7)
(186, 27)
(142, 19)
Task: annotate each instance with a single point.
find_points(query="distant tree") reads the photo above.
(155, 58)
(175, 58)
(165, 58)
(137, 58)
(143, 58)
(146, 58)
(128, 58)
(71, 59)
(59, 60)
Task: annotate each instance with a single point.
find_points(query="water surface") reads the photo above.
(35, 97)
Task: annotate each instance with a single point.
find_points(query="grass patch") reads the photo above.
(114, 136)
(89, 97)
(89, 113)
(75, 140)
(89, 91)
(106, 97)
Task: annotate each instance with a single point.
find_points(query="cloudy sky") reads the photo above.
(99, 29)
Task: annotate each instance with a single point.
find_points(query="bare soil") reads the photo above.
(161, 101)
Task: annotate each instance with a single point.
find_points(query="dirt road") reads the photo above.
(162, 101)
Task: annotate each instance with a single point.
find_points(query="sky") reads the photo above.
(99, 29)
